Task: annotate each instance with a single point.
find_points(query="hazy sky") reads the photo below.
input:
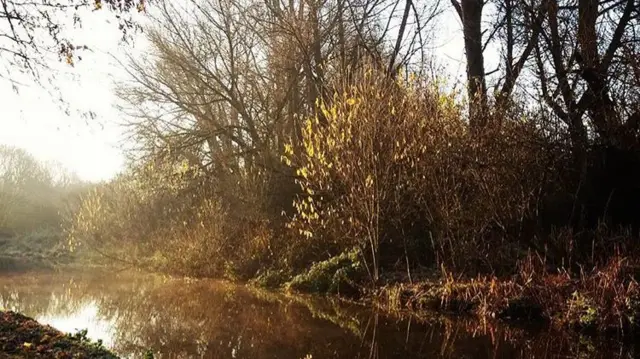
(35, 120)
(32, 120)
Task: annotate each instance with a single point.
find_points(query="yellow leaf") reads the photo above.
(369, 181)
(27, 345)
(325, 112)
(288, 149)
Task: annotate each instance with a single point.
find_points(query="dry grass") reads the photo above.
(606, 298)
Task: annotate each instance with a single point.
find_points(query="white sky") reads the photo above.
(33, 119)
(91, 148)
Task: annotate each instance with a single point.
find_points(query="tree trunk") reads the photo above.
(470, 12)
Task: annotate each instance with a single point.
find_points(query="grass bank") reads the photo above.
(23, 337)
(44, 249)
(604, 300)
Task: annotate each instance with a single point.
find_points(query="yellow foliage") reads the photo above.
(371, 125)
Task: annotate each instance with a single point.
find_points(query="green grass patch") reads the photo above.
(337, 275)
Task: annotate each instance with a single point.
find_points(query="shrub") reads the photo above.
(174, 219)
(340, 274)
(155, 219)
(394, 169)
(271, 278)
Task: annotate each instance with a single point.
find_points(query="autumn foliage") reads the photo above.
(396, 171)
(289, 144)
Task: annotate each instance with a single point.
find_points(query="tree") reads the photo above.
(31, 32)
(470, 13)
(226, 85)
(592, 77)
(516, 27)
(31, 192)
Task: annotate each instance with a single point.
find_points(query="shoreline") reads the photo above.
(550, 301)
(604, 301)
(560, 302)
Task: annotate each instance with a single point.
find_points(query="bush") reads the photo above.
(341, 274)
(394, 169)
(176, 220)
(271, 278)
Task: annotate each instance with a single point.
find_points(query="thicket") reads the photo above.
(395, 171)
(264, 153)
(175, 219)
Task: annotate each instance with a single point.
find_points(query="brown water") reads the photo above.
(178, 318)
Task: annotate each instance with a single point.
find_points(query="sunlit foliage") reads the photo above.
(397, 172)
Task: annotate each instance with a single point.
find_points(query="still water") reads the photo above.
(179, 318)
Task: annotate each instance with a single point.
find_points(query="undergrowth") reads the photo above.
(341, 274)
(603, 299)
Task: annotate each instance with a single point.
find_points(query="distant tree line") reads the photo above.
(33, 194)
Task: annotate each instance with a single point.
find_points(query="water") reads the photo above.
(179, 318)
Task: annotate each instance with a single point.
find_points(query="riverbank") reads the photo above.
(603, 300)
(559, 300)
(23, 337)
(42, 250)
(36, 250)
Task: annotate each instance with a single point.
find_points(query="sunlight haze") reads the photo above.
(36, 121)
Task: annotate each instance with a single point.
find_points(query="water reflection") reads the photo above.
(208, 319)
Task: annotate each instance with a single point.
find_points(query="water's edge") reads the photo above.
(173, 317)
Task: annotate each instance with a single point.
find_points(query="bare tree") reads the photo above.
(580, 61)
(515, 28)
(470, 13)
(34, 32)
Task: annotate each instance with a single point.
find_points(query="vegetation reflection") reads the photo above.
(194, 318)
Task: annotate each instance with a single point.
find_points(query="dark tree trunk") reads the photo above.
(470, 12)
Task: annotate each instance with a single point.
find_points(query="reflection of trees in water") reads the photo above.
(444, 337)
(184, 319)
(32, 295)
(216, 321)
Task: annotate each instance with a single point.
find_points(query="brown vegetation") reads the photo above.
(604, 298)
(274, 140)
